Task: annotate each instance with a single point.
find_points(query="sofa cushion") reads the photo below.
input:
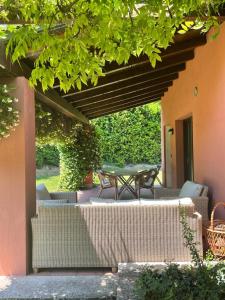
(51, 202)
(42, 192)
(167, 202)
(191, 189)
(100, 201)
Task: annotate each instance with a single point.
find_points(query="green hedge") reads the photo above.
(132, 136)
(47, 155)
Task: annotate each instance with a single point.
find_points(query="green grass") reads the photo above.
(50, 182)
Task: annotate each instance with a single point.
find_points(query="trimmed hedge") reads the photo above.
(47, 155)
(132, 136)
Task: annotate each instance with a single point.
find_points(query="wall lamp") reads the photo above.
(171, 131)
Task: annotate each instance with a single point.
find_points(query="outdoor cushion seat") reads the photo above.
(191, 189)
(110, 233)
(42, 193)
(197, 192)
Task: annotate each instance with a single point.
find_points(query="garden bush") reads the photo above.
(201, 281)
(78, 158)
(78, 145)
(47, 155)
(131, 136)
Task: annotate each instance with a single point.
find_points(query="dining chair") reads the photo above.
(107, 181)
(146, 180)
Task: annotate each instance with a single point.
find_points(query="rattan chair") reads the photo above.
(107, 181)
(146, 180)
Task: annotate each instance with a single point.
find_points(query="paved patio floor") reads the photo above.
(68, 285)
(84, 195)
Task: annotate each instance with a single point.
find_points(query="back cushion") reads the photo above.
(191, 189)
(42, 193)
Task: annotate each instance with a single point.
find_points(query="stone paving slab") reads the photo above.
(59, 287)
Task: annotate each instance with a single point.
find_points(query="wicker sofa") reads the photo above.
(197, 192)
(44, 196)
(102, 235)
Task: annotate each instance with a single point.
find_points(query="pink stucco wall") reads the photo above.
(206, 72)
(17, 185)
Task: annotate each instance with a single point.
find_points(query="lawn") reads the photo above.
(51, 182)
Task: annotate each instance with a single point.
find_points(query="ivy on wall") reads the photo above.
(78, 145)
(132, 136)
(9, 115)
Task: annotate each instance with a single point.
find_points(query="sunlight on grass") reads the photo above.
(50, 182)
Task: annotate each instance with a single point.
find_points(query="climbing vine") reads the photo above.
(9, 115)
(78, 145)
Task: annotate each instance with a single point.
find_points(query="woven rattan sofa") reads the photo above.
(105, 234)
(44, 196)
(197, 192)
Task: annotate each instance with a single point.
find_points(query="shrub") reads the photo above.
(202, 281)
(78, 158)
(47, 155)
(132, 136)
(78, 145)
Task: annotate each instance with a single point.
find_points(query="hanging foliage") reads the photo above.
(9, 115)
(73, 40)
(78, 145)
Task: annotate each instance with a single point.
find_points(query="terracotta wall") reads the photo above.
(17, 185)
(207, 73)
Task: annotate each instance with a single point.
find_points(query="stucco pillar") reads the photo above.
(17, 185)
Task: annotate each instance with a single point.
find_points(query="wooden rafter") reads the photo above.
(51, 97)
(120, 108)
(127, 82)
(125, 90)
(139, 98)
(122, 98)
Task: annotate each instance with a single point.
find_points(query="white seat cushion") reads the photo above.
(42, 192)
(51, 202)
(191, 189)
(170, 202)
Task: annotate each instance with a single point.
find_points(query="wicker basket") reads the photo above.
(216, 234)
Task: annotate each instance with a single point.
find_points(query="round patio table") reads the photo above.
(126, 176)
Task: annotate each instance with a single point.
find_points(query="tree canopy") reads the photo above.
(72, 40)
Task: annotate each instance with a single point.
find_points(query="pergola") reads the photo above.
(123, 87)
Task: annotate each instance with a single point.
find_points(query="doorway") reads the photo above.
(188, 149)
(168, 157)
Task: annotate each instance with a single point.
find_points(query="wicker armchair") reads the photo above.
(107, 181)
(146, 180)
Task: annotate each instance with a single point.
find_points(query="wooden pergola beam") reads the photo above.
(127, 102)
(157, 76)
(50, 97)
(173, 49)
(111, 111)
(136, 101)
(128, 96)
(144, 69)
(124, 90)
